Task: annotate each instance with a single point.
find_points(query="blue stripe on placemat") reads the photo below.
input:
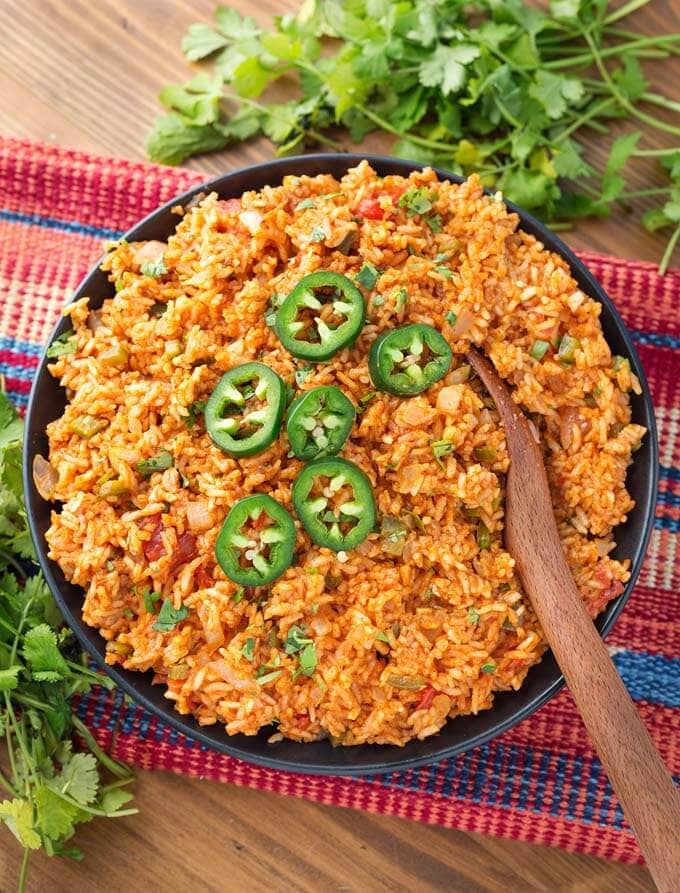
(650, 677)
(65, 226)
(20, 346)
(670, 474)
(671, 499)
(663, 523)
(655, 339)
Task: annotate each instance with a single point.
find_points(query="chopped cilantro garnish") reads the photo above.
(150, 599)
(416, 201)
(146, 467)
(156, 268)
(318, 234)
(445, 272)
(63, 345)
(441, 448)
(305, 203)
(489, 667)
(473, 616)
(247, 650)
(194, 410)
(238, 595)
(368, 276)
(383, 637)
(302, 374)
(169, 617)
(401, 299)
(451, 318)
(296, 639)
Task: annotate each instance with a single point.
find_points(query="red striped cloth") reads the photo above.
(539, 782)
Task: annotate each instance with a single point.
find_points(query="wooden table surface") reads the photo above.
(87, 74)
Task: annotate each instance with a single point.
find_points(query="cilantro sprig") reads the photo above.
(501, 89)
(47, 789)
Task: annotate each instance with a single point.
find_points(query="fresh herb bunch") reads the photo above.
(493, 86)
(48, 788)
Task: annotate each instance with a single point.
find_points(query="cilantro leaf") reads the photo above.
(18, 816)
(198, 100)
(43, 655)
(8, 677)
(78, 778)
(201, 41)
(446, 67)
(169, 617)
(172, 139)
(620, 152)
(56, 817)
(553, 92)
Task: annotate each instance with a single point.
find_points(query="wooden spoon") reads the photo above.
(637, 773)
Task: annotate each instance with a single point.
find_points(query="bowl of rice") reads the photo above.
(267, 491)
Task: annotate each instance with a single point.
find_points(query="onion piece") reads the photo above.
(199, 516)
(44, 477)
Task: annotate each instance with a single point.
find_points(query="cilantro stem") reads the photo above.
(643, 193)
(663, 101)
(24, 871)
(5, 782)
(655, 153)
(587, 58)
(119, 813)
(596, 109)
(622, 100)
(10, 559)
(116, 768)
(314, 134)
(668, 253)
(411, 137)
(624, 10)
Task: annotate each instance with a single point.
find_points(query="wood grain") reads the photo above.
(87, 74)
(638, 775)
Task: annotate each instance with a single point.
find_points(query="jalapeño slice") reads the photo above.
(324, 313)
(244, 413)
(256, 542)
(318, 423)
(406, 361)
(334, 500)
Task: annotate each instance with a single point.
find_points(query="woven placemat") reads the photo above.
(539, 782)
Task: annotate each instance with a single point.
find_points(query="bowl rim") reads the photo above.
(335, 766)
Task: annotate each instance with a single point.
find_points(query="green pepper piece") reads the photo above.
(307, 330)
(244, 413)
(406, 361)
(319, 422)
(334, 500)
(256, 542)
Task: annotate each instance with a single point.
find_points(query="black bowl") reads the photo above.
(460, 734)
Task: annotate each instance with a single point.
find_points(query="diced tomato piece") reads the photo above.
(302, 720)
(186, 550)
(426, 698)
(370, 208)
(203, 577)
(231, 205)
(153, 547)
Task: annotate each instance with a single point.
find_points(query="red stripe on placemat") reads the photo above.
(39, 267)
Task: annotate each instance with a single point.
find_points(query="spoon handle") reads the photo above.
(637, 772)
